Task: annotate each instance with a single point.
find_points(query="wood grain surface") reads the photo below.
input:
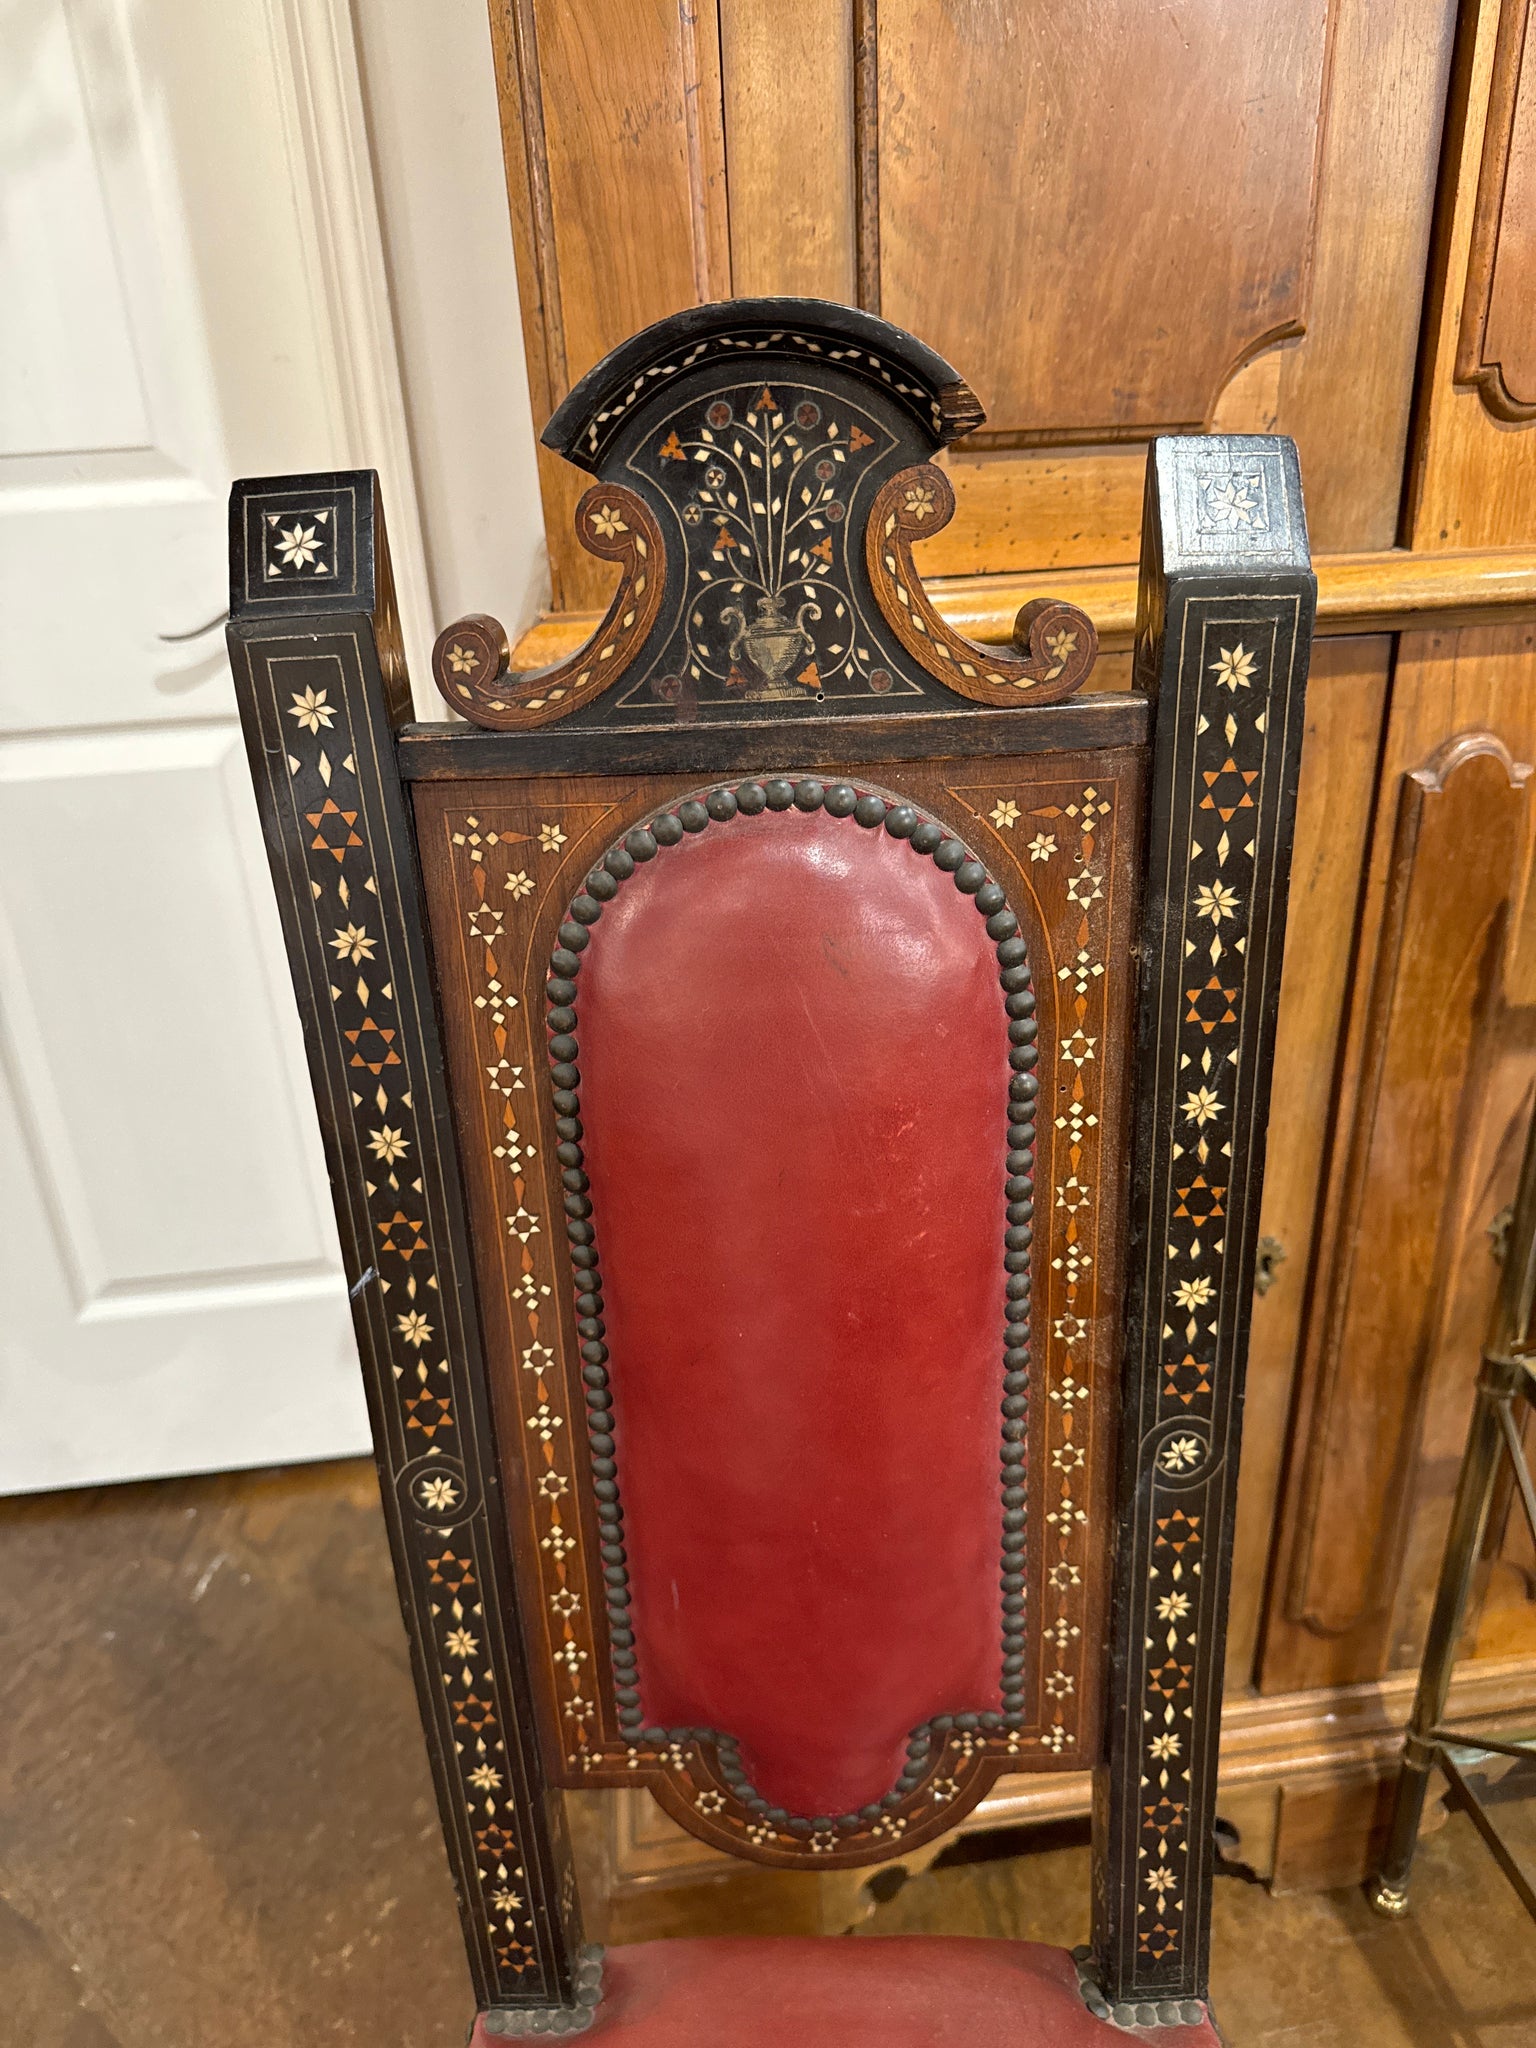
(1459, 830)
(1475, 680)
(1390, 590)
(1473, 477)
(1345, 696)
(993, 178)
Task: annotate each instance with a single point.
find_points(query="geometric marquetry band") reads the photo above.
(402, 1267)
(591, 415)
(316, 709)
(1227, 658)
(932, 1782)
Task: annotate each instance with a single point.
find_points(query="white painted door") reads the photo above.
(175, 294)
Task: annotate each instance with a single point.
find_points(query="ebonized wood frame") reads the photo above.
(319, 708)
(1226, 607)
(1226, 615)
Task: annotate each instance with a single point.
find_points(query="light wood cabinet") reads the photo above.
(1310, 216)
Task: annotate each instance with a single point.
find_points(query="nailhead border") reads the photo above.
(518, 2021)
(1143, 2012)
(870, 809)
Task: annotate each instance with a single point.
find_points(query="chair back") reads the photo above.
(795, 1082)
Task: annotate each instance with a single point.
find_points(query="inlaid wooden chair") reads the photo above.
(795, 1085)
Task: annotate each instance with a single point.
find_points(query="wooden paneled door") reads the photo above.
(1118, 225)
(1433, 1073)
(173, 1291)
(1402, 1275)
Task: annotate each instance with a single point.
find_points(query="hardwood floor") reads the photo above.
(216, 1824)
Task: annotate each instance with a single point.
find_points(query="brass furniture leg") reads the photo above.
(1505, 1375)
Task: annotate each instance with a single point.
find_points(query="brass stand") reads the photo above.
(1508, 1374)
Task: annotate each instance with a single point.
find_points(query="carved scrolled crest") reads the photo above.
(470, 658)
(755, 462)
(1057, 643)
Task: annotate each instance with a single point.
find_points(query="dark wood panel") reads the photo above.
(429, 751)
(1225, 640)
(320, 696)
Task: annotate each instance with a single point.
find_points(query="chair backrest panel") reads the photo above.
(838, 1141)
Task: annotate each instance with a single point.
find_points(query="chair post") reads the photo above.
(322, 685)
(1224, 634)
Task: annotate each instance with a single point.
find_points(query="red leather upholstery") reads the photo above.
(794, 1060)
(938, 1991)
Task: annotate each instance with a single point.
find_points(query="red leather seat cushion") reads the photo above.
(906, 1991)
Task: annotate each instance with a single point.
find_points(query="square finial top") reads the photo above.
(303, 543)
(1231, 502)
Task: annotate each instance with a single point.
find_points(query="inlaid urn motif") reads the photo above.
(772, 644)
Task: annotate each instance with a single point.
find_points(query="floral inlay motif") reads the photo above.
(312, 711)
(1234, 668)
(1233, 502)
(1181, 1453)
(298, 545)
(770, 612)
(353, 943)
(1216, 901)
(1202, 1106)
